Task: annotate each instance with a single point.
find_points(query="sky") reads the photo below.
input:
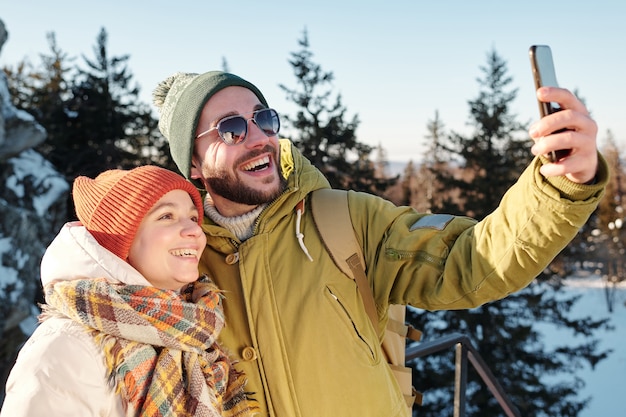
(395, 63)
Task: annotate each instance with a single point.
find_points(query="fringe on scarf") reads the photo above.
(182, 370)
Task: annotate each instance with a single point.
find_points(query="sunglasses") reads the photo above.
(234, 129)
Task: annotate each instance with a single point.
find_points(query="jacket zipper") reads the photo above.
(351, 321)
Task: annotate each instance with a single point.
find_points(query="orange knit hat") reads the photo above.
(112, 205)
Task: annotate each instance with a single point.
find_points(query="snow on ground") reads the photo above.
(606, 382)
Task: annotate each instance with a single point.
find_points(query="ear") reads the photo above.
(195, 172)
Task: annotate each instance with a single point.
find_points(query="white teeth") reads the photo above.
(257, 163)
(184, 252)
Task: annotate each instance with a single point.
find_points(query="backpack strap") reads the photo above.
(330, 213)
(334, 225)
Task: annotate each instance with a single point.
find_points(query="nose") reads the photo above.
(256, 137)
(191, 228)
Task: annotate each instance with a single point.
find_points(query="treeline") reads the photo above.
(95, 121)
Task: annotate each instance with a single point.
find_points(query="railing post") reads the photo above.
(460, 380)
(464, 351)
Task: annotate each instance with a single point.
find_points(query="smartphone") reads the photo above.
(545, 75)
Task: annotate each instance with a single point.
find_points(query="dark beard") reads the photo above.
(229, 187)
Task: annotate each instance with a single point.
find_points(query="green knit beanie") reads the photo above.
(180, 100)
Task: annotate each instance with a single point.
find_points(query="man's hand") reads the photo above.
(581, 164)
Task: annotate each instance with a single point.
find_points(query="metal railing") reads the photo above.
(464, 351)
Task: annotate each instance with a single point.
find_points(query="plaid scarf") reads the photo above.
(160, 346)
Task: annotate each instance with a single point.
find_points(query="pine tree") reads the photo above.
(93, 116)
(607, 238)
(112, 128)
(610, 206)
(320, 129)
(381, 162)
(494, 155)
(438, 165)
(41, 91)
(21, 81)
(48, 99)
(407, 185)
(505, 332)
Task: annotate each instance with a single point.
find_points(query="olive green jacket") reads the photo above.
(298, 327)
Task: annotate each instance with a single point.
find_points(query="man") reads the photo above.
(293, 320)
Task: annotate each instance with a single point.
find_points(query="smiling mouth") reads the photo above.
(185, 253)
(257, 165)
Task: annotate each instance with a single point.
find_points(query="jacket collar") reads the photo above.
(74, 254)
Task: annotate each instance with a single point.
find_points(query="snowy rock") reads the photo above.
(18, 129)
(33, 206)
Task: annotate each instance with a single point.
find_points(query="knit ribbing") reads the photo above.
(241, 226)
(112, 205)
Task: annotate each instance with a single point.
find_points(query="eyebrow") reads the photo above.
(214, 122)
(162, 205)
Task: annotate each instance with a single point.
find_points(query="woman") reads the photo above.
(128, 329)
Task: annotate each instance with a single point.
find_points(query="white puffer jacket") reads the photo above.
(60, 371)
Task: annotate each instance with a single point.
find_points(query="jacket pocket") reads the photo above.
(345, 315)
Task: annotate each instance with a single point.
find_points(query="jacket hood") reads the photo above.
(298, 170)
(75, 254)
(302, 177)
